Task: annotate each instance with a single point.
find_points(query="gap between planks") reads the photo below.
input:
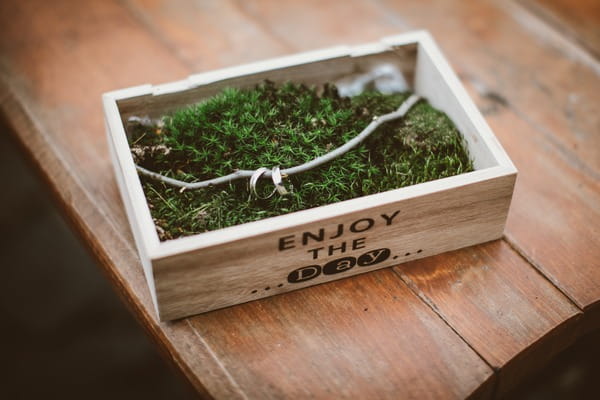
(517, 249)
(428, 302)
(423, 297)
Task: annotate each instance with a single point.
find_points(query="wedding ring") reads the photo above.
(254, 180)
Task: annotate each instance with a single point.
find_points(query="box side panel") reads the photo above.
(332, 248)
(436, 81)
(314, 72)
(126, 197)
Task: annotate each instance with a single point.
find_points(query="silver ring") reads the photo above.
(254, 179)
(278, 181)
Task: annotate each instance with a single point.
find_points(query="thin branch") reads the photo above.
(239, 174)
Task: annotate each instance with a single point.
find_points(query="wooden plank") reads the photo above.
(521, 321)
(38, 72)
(366, 337)
(579, 20)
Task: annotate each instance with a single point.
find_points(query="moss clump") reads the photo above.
(288, 125)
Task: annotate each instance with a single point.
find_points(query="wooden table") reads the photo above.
(471, 322)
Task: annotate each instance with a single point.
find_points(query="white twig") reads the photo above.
(377, 121)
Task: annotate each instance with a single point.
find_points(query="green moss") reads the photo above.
(286, 126)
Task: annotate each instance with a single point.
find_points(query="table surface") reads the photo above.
(473, 322)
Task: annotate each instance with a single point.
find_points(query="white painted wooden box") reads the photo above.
(246, 262)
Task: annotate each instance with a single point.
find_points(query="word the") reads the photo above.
(355, 244)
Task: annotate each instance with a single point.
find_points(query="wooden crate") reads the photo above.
(246, 262)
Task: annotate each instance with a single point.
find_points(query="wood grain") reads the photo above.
(580, 21)
(522, 321)
(195, 31)
(353, 338)
(57, 58)
(558, 235)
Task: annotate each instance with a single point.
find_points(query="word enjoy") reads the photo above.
(360, 225)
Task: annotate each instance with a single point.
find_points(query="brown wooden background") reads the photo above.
(472, 322)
